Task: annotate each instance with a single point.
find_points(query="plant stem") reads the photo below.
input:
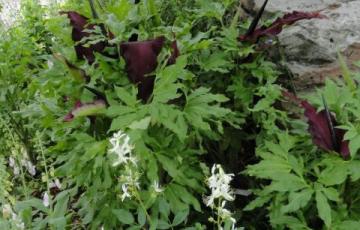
(235, 19)
(101, 5)
(347, 191)
(218, 221)
(46, 170)
(93, 11)
(137, 196)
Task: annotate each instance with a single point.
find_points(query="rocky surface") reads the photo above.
(311, 46)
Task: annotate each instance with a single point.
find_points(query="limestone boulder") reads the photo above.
(311, 46)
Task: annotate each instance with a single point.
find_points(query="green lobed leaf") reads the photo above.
(180, 217)
(290, 221)
(141, 218)
(298, 200)
(331, 193)
(124, 216)
(323, 208)
(257, 203)
(334, 174)
(128, 98)
(202, 107)
(287, 182)
(354, 145)
(167, 85)
(354, 170)
(164, 207)
(171, 118)
(142, 124)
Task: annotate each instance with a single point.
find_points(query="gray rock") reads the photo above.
(304, 5)
(311, 45)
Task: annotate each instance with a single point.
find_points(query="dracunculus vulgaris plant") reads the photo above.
(321, 124)
(140, 57)
(254, 33)
(86, 109)
(322, 127)
(81, 29)
(141, 60)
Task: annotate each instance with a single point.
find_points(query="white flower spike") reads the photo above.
(129, 183)
(122, 148)
(46, 199)
(219, 183)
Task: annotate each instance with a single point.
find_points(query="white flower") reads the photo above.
(219, 183)
(30, 168)
(7, 212)
(121, 147)
(55, 184)
(129, 183)
(223, 212)
(125, 188)
(224, 215)
(14, 166)
(157, 187)
(46, 199)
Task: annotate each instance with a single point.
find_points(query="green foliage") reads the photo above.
(304, 179)
(218, 104)
(168, 133)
